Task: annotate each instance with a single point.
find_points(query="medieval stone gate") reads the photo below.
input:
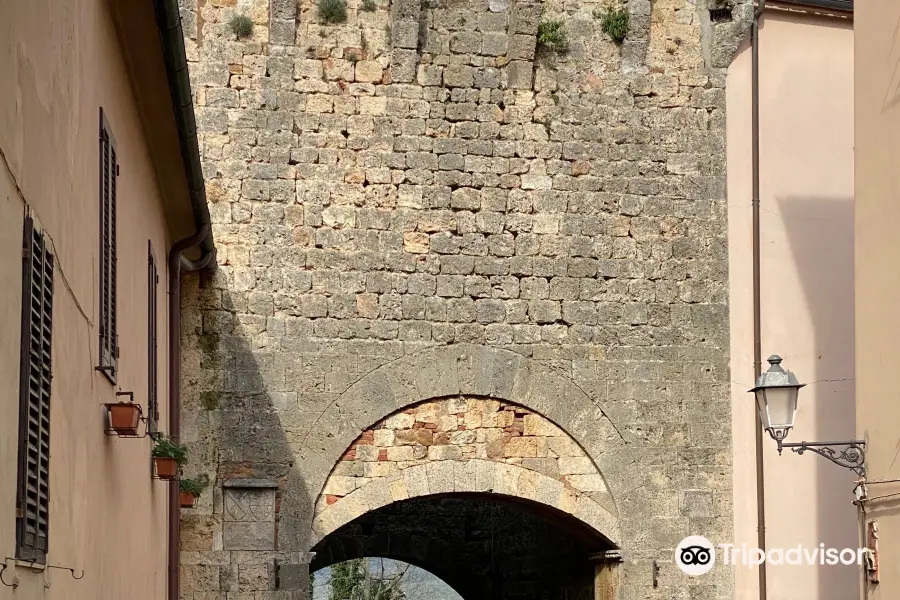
(462, 283)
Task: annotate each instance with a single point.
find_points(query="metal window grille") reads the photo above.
(152, 329)
(109, 170)
(35, 376)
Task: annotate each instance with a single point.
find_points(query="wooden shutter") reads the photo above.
(109, 346)
(152, 330)
(35, 375)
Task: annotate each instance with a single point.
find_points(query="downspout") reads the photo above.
(168, 20)
(177, 264)
(757, 318)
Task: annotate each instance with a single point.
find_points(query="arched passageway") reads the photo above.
(484, 545)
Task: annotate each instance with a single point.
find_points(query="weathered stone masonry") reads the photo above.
(407, 454)
(419, 204)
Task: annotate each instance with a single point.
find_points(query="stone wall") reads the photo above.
(424, 176)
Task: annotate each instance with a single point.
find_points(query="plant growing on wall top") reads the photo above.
(332, 11)
(368, 5)
(241, 25)
(552, 36)
(614, 23)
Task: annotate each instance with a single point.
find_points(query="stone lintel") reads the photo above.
(253, 483)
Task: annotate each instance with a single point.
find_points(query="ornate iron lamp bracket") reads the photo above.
(850, 454)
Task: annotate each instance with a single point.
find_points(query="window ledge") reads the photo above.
(29, 565)
(109, 371)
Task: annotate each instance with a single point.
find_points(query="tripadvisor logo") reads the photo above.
(695, 555)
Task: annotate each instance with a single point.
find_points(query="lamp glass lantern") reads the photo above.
(776, 394)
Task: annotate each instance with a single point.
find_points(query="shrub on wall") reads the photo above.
(241, 25)
(614, 23)
(552, 36)
(368, 5)
(332, 11)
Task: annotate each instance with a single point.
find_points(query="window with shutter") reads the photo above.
(35, 375)
(109, 170)
(152, 328)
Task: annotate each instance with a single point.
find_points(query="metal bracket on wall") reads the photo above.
(277, 566)
(850, 454)
(654, 570)
(15, 581)
(108, 430)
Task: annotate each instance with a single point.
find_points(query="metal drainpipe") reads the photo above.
(757, 318)
(177, 264)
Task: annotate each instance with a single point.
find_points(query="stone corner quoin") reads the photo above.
(421, 209)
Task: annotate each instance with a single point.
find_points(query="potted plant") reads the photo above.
(191, 490)
(124, 417)
(167, 456)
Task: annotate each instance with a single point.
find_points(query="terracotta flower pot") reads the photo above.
(124, 418)
(187, 499)
(166, 468)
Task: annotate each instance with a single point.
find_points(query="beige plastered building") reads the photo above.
(80, 79)
(807, 288)
(877, 283)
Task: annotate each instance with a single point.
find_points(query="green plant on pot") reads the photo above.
(167, 456)
(191, 490)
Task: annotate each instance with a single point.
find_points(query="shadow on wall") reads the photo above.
(259, 504)
(820, 237)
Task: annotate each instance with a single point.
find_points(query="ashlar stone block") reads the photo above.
(458, 76)
(257, 535)
(369, 71)
(405, 34)
(495, 43)
(525, 18)
(522, 47)
(519, 75)
(405, 10)
(403, 65)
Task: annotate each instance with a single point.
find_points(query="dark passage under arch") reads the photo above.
(484, 546)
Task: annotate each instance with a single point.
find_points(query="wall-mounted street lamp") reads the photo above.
(776, 399)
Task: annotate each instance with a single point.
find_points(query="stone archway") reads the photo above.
(441, 469)
(465, 445)
(470, 371)
(472, 476)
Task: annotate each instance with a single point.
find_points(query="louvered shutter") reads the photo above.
(35, 375)
(152, 328)
(109, 347)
